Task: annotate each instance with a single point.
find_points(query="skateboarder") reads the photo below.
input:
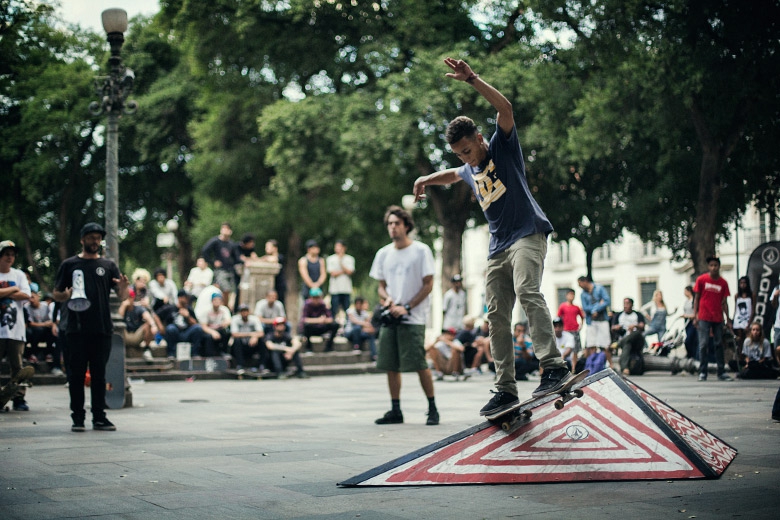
(89, 331)
(14, 291)
(518, 242)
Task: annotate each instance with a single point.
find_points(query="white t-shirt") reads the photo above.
(252, 324)
(454, 306)
(215, 318)
(12, 324)
(341, 284)
(777, 318)
(200, 279)
(403, 271)
(565, 341)
(262, 310)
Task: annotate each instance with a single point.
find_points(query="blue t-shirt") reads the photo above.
(501, 188)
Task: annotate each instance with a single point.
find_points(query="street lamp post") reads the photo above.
(113, 90)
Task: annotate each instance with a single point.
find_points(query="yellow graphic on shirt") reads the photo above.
(490, 188)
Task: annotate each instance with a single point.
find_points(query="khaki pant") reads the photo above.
(516, 275)
(13, 350)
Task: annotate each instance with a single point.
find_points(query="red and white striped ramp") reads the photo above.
(616, 431)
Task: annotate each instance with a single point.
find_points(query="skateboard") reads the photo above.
(9, 390)
(115, 374)
(522, 411)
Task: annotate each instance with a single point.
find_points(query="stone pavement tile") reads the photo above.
(104, 505)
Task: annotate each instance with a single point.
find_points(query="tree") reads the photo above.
(46, 135)
(689, 106)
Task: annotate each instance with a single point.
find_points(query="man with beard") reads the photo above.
(89, 330)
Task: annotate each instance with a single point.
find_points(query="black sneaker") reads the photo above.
(433, 418)
(553, 379)
(103, 425)
(20, 405)
(78, 425)
(499, 402)
(391, 417)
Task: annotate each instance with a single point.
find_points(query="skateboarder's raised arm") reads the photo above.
(462, 72)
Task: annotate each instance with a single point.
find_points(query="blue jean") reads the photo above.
(193, 334)
(339, 301)
(516, 275)
(703, 330)
(356, 336)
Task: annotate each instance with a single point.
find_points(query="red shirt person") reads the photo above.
(711, 310)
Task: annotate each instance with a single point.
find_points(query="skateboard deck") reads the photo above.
(9, 390)
(521, 411)
(115, 374)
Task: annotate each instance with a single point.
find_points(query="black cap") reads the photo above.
(558, 321)
(243, 307)
(92, 227)
(311, 243)
(182, 292)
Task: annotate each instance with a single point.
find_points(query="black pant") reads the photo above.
(88, 351)
(320, 329)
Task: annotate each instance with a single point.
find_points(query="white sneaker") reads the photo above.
(57, 372)
(147, 355)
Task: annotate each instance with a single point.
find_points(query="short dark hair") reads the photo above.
(713, 258)
(248, 237)
(160, 270)
(459, 128)
(401, 213)
(359, 299)
(629, 299)
(585, 278)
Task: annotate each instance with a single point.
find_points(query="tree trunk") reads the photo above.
(701, 243)
(450, 205)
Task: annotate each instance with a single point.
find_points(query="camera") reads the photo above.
(387, 319)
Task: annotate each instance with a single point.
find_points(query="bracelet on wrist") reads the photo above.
(471, 78)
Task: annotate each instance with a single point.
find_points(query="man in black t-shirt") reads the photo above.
(89, 330)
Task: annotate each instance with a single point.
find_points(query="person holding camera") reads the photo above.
(404, 270)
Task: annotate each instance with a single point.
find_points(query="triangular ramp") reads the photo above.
(616, 431)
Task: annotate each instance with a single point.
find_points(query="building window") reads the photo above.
(563, 253)
(561, 293)
(648, 249)
(646, 290)
(604, 252)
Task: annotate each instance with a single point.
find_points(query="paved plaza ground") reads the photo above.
(276, 449)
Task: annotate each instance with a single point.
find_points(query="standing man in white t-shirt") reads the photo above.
(454, 305)
(14, 291)
(340, 267)
(405, 271)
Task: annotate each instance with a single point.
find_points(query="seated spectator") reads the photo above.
(482, 344)
(216, 328)
(359, 328)
(447, 354)
(38, 325)
(140, 327)
(472, 356)
(525, 359)
(268, 309)
(163, 290)
(203, 303)
(199, 278)
(284, 350)
(628, 326)
(181, 325)
(247, 332)
(317, 319)
(595, 360)
(566, 344)
(139, 282)
(757, 355)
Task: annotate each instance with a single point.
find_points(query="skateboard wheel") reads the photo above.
(527, 414)
(578, 392)
(506, 426)
(559, 404)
